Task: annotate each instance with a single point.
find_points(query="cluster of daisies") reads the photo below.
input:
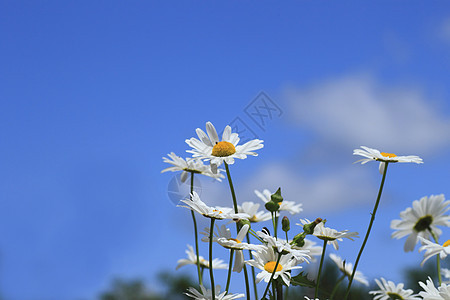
(274, 255)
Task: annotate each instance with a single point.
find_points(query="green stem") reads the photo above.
(279, 287)
(316, 292)
(252, 232)
(336, 286)
(287, 239)
(247, 286)
(255, 290)
(438, 265)
(211, 275)
(276, 225)
(372, 219)
(271, 277)
(274, 289)
(200, 280)
(230, 265)
(233, 194)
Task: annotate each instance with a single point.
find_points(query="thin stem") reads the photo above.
(200, 280)
(247, 286)
(279, 287)
(255, 290)
(230, 265)
(274, 289)
(211, 275)
(274, 224)
(252, 232)
(316, 292)
(372, 219)
(438, 258)
(287, 239)
(271, 277)
(233, 194)
(336, 286)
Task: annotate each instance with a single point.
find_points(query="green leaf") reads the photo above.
(302, 280)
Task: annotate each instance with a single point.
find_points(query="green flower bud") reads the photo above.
(242, 222)
(277, 196)
(299, 240)
(285, 224)
(272, 206)
(309, 228)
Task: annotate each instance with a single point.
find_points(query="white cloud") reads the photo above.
(444, 30)
(322, 193)
(355, 110)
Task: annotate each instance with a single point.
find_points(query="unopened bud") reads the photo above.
(272, 206)
(299, 240)
(277, 196)
(309, 228)
(243, 222)
(285, 224)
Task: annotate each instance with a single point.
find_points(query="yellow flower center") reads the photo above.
(219, 211)
(447, 243)
(236, 240)
(223, 148)
(388, 154)
(270, 267)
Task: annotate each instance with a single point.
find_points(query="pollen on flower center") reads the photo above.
(219, 211)
(394, 296)
(236, 240)
(223, 148)
(423, 223)
(270, 267)
(446, 244)
(388, 154)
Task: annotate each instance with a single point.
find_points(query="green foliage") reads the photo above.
(302, 280)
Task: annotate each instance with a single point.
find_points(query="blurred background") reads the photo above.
(94, 93)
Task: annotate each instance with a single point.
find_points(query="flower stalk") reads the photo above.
(372, 219)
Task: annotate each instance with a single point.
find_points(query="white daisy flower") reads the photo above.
(432, 249)
(347, 269)
(332, 236)
(223, 238)
(265, 259)
(432, 293)
(424, 215)
(251, 209)
(189, 166)
(389, 290)
(301, 255)
(306, 297)
(216, 212)
(209, 147)
(192, 260)
(289, 206)
(206, 294)
(383, 157)
(311, 246)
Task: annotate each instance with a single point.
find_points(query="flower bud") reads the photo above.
(242, 222)
(309, 228)
(277, 196)
(299, 240)
(285, 224)
(272, 206)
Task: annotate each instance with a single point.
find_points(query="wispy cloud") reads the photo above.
(356, 110)
(444, 30)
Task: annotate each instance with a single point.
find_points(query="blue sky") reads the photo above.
(93, 94)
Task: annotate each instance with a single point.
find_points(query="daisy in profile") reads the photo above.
(223, 238)
(424, 216)
(251, 209)
(301, 255)
(289, 206)
(432, 293)
(332, 236)
(209, 147)
(432, 249)
(265, 259)
(389, 290)
(311, 246)
(211, 212)
(189, 165)
(383, 157)
(192, 260)
(347, 269)
(206, 294)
